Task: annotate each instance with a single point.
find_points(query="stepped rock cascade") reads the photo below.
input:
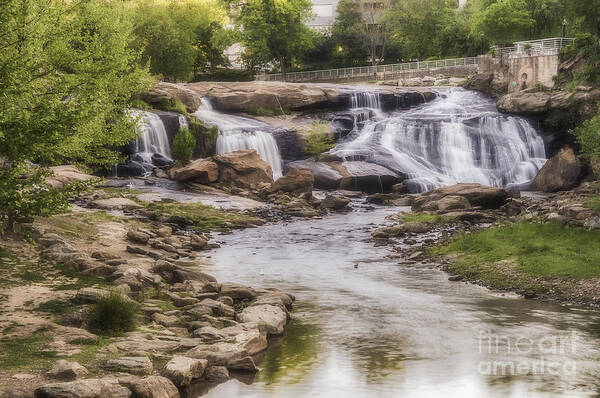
(238, 133)
(459, 137)
(152, 137)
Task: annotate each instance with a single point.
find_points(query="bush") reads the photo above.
(588, 136)
(113, 314)
(318, 139)
(171, 105)
(183, 146)
(206, 138)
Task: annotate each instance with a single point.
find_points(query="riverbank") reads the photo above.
(113, 295)
(540, 247)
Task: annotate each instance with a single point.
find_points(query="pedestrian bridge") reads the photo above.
(449, 67)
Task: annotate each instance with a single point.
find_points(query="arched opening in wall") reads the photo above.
(524, 81)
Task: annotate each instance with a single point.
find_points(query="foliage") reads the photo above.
(171, 105)
(587, 47)
(200, 217)
(274, 30)
(544, 250)
(113, 314)
(588, 137)
(349, 46)
(318, 139)
(67, 72)
(181, 38)
(206, 138)
(183, 146)
(24, 194)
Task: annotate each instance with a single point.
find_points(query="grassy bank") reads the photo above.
(529, 257)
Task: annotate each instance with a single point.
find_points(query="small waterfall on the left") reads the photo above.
(237, 133)
(152, 137)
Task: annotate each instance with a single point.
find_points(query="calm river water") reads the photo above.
(365, 326)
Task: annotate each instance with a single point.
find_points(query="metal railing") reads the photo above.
(379, 71)
(527, 48)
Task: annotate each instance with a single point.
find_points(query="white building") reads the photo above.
(325, 11)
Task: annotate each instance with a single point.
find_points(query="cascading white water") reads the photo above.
(365, 100)
(238, 133)
(459, 137)
(152, 138)
(183, 122)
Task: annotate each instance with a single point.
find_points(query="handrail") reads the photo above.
(548, 46)
(367, 71)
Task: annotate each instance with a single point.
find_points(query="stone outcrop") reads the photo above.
(244, 169)
(66, 371)
(202, 171)
(249, 96)
(133, 365)
(298, 182)
(474, 194)
(493, 84)
(182, 370)
(64, 175)
(561, 172)
(533, 101)
(335, 201)
(525, 102)
(88, 388)
(351, 175)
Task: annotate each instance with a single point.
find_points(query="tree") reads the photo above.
(68, 71)
(181, 37)
(374, 28)
(588, 136)
(318, 139)
(346, 32)
(275, 30)
(183, 146)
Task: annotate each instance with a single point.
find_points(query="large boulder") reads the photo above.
(298, 182)
(88, 388)
(182, 370)
(272, 316)
(244, 169)
(335, 202)
(153, 387)
(494, 84)
(325, 176)
(560, 173)
(66, 371)
(445, 198)
(367, 177)
(525, 102)
(203, 171)
(133, 365)
(64, 175)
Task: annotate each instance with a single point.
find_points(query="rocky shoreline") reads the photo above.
(438, 217)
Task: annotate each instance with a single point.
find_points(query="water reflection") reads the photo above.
(389, 330)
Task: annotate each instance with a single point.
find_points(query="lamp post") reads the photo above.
(564, 25)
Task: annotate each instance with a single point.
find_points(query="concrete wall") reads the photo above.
(525, 72)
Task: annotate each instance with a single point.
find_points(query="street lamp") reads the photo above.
(564, 25)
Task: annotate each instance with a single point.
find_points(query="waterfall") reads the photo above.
(238, 133)
(364, 100)
(183, 122)
(460, 137)
(152, 137)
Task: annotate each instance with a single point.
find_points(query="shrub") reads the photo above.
(171, 105)
(588, 136)
(183, 146)
(113, 314)
(206, 138)
(318, 139)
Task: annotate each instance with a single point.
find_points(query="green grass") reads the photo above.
(171, 105)
(114, 314)
(79, 225)
(430, 219)
(547, 250)
(56, 307)
(78, 280)
(25, 352)
(200, 217)
(593, 204)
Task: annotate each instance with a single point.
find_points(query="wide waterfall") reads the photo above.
(237, 133)
(459, 137)
(152, 138)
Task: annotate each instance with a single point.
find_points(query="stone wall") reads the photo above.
(525, 72)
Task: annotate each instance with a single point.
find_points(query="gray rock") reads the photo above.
(66, 371)
(237, 292)
(334, 202)
(153, 387)
(216, 374)
(137, 236)
(182, 370)
(134, 365)
(272, 316)
(88, 388)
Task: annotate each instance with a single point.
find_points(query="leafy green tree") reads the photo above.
(588, 136)
(181, 37)
(183, 146)
(275, 30)
(346, 32)
(318, 139)
(68, 71)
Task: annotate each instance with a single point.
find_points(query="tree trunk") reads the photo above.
(10, 223)
(282, 64)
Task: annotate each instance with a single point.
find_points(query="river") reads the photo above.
(365, 326)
